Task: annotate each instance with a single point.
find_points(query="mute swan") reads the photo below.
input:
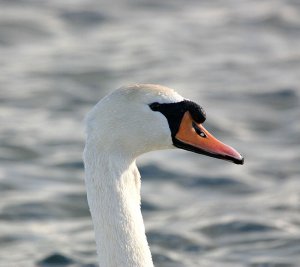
(123, 125)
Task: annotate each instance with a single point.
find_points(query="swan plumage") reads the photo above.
(128, 122)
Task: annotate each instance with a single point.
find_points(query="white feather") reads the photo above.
(118, 129)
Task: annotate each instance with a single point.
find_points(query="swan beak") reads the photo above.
(194, 137)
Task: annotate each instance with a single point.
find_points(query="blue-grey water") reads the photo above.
(239, 59)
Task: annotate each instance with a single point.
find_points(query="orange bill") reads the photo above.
(194, 137)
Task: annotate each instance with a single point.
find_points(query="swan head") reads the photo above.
(140, 118)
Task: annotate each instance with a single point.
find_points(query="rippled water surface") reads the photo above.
(239, 59)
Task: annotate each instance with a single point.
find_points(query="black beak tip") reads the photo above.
(239, 161)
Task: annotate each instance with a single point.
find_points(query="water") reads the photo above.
(239, 59)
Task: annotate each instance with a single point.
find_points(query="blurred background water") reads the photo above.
(240, 60)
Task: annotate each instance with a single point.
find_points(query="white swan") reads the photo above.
(123, 125)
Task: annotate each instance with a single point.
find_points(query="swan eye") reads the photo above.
(154, 106)
(198, 130)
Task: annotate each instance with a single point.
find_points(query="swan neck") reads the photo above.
(113, 192)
